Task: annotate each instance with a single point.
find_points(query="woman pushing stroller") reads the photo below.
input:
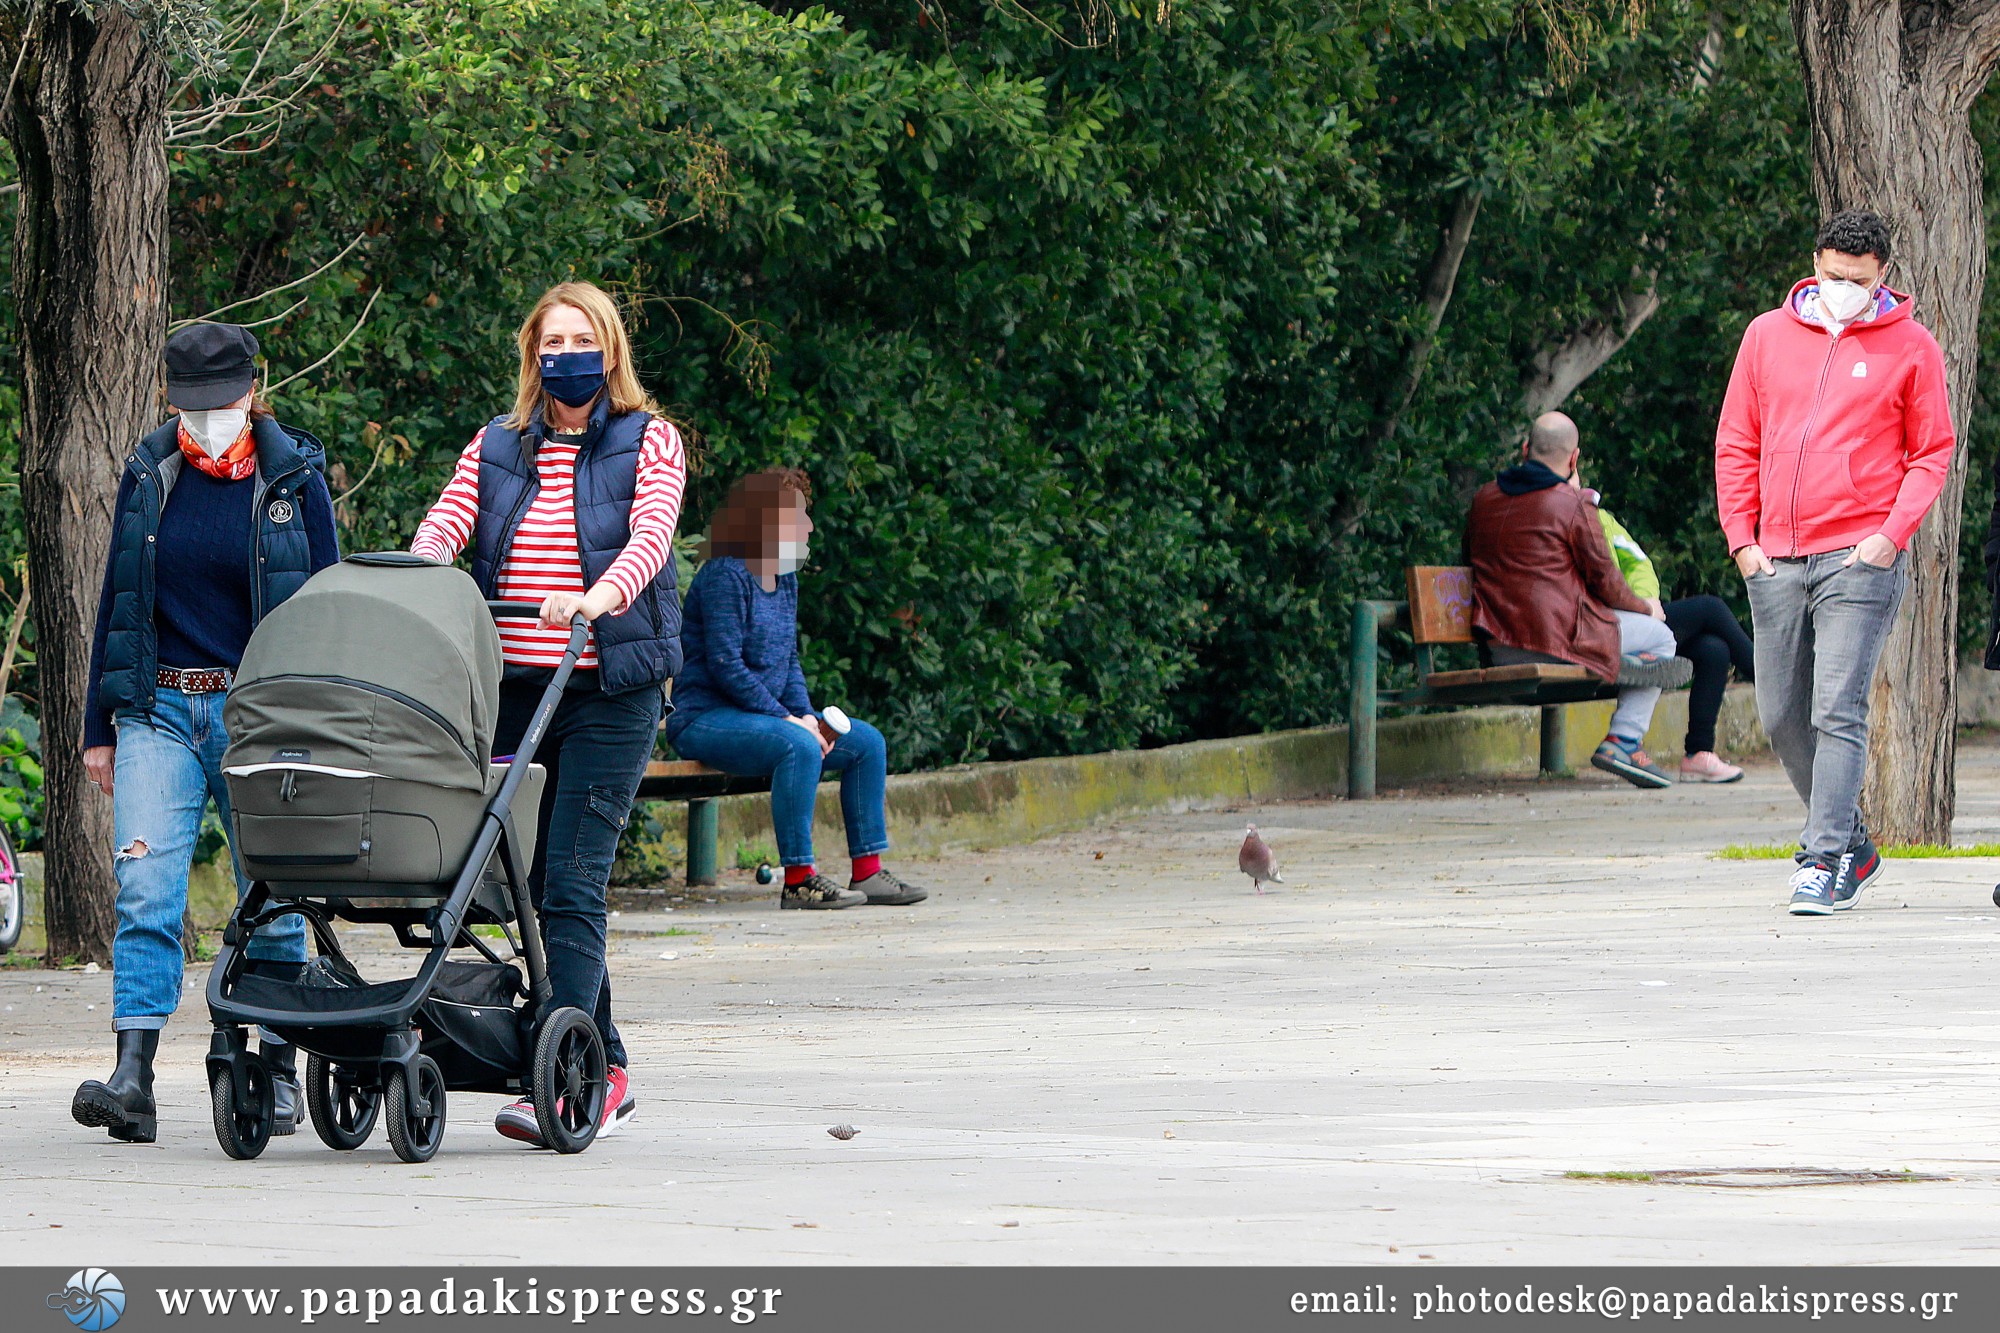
(570, 500)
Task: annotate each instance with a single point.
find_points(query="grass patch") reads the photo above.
(1634, 1177)
(1923, 851)
(672, 931)
(489, 931)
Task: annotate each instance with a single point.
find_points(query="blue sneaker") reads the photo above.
(1858, 867)
(1812, 890)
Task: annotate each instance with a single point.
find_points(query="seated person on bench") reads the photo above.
(740, 703)
(1545, 589)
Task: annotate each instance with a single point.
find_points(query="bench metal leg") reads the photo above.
(1555, 742)
(1363, 703)
(702, 824)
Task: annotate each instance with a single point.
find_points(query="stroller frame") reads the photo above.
(371, 1050)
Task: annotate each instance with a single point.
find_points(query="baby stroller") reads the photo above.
(363, 789)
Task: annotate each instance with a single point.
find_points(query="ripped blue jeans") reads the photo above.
(168, 768)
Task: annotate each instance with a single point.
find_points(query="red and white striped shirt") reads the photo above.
(544, 557)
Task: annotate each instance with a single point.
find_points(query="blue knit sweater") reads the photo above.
(739, 647)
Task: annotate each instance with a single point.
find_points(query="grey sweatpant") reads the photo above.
(1820, 626)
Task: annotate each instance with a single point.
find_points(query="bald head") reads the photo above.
(1552, 441)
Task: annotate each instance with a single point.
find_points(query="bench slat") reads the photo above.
(1536, 671)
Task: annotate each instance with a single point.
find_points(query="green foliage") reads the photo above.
(1087, 320)
(21, 801)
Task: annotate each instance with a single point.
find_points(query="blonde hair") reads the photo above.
(621, 381)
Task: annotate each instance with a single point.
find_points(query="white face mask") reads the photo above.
(217, 429)
(791, 556)
(1844, 300)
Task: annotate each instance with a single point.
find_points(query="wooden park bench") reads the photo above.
(698, 785)
(1439, 611)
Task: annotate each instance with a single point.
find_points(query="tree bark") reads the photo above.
(1889, 86)
(86, 120)
(1558, 371)
(1439, 280)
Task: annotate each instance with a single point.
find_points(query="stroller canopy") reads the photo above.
(384, 664)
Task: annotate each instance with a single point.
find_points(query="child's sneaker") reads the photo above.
(1632, 764)
(1708, 766)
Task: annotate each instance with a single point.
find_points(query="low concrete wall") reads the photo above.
(984, 805)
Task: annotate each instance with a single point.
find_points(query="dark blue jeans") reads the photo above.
(595, 750)
(759, 746)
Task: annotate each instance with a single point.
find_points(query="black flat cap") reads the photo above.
(210, 365)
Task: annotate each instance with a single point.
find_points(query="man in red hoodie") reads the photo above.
(1834, 442)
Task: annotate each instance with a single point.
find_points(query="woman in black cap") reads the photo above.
(222, 514)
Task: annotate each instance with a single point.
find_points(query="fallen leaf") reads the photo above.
(1010, 1224)
(805, 1226)
(843, 1132)
(1166, 1133)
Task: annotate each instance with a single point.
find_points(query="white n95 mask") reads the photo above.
(215, 430)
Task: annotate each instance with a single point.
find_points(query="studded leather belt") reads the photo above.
(189, 680)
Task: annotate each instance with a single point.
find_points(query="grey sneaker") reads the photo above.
(885, 890)
(820, 894)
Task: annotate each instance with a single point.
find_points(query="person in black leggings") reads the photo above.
(1707, 634)
(1705, 631)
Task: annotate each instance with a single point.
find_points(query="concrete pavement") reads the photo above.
(1104, 1048)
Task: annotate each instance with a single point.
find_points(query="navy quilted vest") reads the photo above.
(641, 646)
(281, 553)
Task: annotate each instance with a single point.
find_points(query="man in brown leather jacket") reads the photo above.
(1545, 588)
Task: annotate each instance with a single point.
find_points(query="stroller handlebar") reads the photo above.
(578, 626)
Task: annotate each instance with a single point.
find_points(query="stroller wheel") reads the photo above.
(343, 1112)
(416, 1135)
(570, 1080)
(243, 1125)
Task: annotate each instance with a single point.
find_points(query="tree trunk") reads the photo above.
(1889, 86)
(86, 122)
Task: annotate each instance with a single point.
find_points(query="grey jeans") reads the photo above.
(1820, 626)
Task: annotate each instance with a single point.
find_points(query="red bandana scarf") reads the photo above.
(238, 461)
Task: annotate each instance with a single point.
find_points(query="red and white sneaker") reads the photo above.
(619, 1105)
(517, 1121)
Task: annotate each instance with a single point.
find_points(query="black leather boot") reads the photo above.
(287, 1098)
(123, 1104)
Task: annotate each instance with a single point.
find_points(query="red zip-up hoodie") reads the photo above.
(1827, 440)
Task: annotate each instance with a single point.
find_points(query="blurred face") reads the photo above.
(567, 329)
(794, 524)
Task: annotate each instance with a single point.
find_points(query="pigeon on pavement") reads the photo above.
(1256, 860)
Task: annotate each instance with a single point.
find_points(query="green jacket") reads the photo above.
(1639, 574)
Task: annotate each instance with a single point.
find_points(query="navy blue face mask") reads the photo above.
(573, 378)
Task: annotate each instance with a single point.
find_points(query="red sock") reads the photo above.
(795, 875)
(864, 866)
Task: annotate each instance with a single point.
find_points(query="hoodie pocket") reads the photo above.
(1825, 489)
